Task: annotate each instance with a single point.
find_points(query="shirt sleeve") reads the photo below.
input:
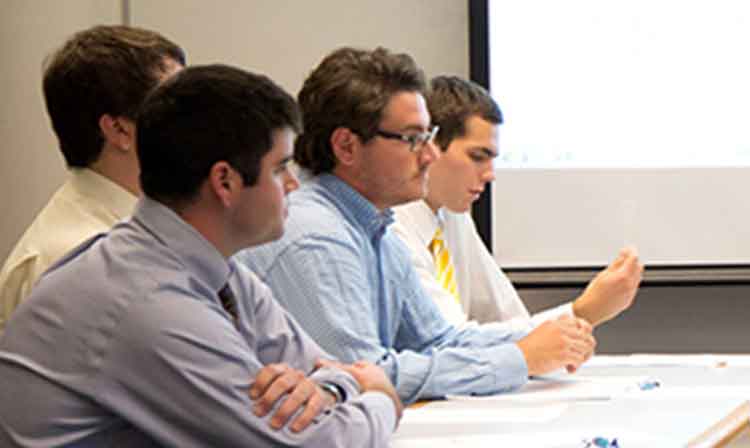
(16, 281)
(464, 360)
(195, 371)
(493, 296)
(425, 357)
(283, 338)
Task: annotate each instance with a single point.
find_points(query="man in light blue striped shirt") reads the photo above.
(367, 143)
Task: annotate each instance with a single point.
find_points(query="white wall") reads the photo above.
(31, 167)
(283, 39)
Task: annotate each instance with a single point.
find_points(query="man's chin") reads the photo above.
(459, 208)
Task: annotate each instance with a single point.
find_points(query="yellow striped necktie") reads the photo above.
(444, 271)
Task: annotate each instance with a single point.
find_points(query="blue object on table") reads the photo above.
(601, 442)
(648, 385)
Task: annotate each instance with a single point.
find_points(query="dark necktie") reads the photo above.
(228, 301)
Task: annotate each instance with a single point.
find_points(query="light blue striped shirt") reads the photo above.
(350, 283)
(124, 343)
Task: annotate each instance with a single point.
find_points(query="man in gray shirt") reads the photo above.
(148, 336)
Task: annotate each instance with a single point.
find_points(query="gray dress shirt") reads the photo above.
(124, 342)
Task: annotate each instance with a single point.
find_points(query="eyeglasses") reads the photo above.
(415, 141)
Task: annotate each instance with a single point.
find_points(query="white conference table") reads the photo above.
(694, 394)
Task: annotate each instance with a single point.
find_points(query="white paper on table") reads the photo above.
(571, 388)
(672, 393)
(567, 439)
(665, 360)
(430, 414)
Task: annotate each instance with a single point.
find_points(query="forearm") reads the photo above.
(365, 420)
(458, 370)
(211, 406)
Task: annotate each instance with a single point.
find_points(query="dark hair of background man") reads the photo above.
(102, 70)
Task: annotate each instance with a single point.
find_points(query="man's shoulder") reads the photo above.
(458, 226)
(314, 221)
(314, 213)
(313, 204)
(59, 227)
(54, 232)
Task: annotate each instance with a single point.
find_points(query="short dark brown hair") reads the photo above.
(350, 88)
(452, 101)
(101, 70)
(203, 115)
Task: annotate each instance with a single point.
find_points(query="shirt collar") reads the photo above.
(425, 221)
(359, 208)
(88, 183)
(200, 256)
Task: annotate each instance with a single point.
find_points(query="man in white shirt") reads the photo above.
(471, 286)
(92, 87)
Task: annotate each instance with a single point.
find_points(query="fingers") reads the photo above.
(580, 344)
(265, 377)
(629, 260)
(634, 266)
(301, 392)
(314, 406)
(625, 256)
(282, 384)
(618, 262)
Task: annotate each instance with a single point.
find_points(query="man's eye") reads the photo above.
(413, 139)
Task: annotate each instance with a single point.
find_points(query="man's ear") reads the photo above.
(345, 144)
(224, 182)
(118, 132)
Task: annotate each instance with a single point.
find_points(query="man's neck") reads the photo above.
(434, 205)
(122, 171)
(359, 187)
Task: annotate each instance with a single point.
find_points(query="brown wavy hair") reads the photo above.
(350, 88)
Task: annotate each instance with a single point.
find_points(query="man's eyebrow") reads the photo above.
(414, 127)
(284, 161)
(487, 151)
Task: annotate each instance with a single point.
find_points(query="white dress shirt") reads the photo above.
(86, 204)
(485, 291)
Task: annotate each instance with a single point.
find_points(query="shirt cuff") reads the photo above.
(344, 381)
(511, 370)
(565, 309)
(384, 404)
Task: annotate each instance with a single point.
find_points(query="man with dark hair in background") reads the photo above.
(93, 86)
(368, 142)
(439, 229)
(148, 335)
